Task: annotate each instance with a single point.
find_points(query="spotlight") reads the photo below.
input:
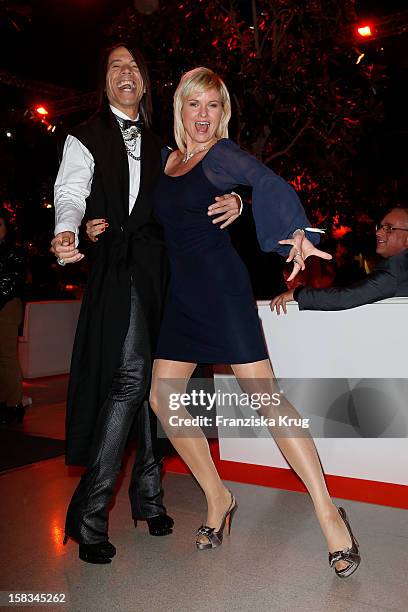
(41, 110)
(365, 31)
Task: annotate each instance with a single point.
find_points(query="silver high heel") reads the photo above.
(349, 555)
(215, 537)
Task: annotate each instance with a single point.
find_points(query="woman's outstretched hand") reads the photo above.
(301, 249)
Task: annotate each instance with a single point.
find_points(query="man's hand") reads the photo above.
(228, 204)
(63, 246)
(301, 249)
(94, 227)
(280, 301)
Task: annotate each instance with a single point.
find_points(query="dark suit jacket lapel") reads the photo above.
(115, 175)
(142, 208)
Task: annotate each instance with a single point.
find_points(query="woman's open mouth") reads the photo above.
(202, 127)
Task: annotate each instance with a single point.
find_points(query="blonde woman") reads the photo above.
(210, 316)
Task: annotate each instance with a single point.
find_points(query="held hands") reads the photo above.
(230, 205)
(63, 247)
(94, 227)
(301, 249)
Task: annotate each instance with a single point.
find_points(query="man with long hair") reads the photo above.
(109, 168)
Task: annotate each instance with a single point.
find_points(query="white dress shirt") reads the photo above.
(74, 181)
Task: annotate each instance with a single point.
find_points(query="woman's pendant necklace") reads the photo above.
(188, 156)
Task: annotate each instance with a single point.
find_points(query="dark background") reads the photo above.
(58, 42)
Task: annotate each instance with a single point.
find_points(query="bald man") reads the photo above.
(388, 279)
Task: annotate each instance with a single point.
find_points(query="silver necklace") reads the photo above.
(130, 137)
(188, 156)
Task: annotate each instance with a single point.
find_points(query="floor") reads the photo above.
(275, 559)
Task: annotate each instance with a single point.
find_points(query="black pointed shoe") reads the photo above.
(159, 525)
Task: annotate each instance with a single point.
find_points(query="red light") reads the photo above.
(41, 110)
(365, 31)
(339, 232)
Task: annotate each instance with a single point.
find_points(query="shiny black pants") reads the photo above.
(87, 516)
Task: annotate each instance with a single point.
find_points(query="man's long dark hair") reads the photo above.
(145, 106)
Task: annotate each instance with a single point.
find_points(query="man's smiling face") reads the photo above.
(124, 83)
(393, 242)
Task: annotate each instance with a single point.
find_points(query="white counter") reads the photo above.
(45, 347)
(369, 342)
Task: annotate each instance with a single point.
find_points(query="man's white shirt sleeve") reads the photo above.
(72, 186)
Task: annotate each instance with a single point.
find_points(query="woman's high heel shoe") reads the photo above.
(99, 553)
(348, 555)
(215, 537)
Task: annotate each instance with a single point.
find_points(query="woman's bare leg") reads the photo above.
(190, 443)
(300, 453)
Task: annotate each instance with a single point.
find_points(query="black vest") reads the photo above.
(132, 247)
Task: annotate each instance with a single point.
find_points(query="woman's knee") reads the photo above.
(160, 395)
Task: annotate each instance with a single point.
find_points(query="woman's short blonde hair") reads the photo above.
(199, 80)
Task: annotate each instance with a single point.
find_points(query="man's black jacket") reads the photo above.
(388, 279)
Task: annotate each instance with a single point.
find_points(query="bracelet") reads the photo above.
(314, 230)
(241, 203)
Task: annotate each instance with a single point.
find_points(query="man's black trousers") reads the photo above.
(87, 516)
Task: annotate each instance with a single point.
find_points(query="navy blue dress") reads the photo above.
(211, 316)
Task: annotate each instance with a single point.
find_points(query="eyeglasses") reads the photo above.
(388, 228)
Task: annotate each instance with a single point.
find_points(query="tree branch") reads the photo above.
(256, 30)
(290, 145)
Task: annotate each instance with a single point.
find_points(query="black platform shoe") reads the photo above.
(99, 553)
(160, 525)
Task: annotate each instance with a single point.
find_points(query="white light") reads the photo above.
(360, 57)
(9, 134)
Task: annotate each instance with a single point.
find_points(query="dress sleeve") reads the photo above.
(276, 207)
